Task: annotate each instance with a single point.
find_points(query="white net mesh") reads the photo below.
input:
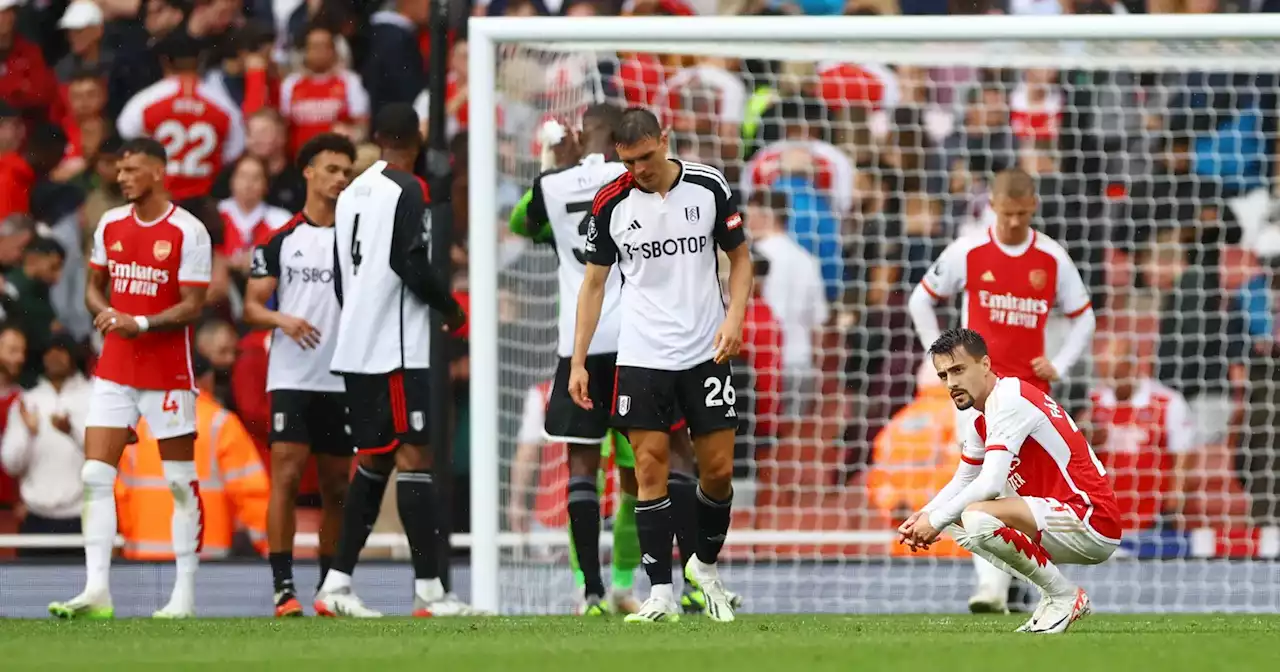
(1155, 163)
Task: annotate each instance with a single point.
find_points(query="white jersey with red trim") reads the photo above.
(148, 263)
(200, 128)
(1051, 458)
(1008, 294)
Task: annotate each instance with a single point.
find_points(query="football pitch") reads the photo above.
(1202, 643)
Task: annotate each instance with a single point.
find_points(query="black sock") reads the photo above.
(326, 561)
(682, 489)
(653, 526)
(713, 524)
(416, 501)
(584, 527)
(282, 571)
(359, 513)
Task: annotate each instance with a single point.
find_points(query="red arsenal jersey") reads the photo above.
(312, 104)
(1142, 435)
(201, 131)
(246, 230)
(1051, 458)
(147, 263)
(1008, 293)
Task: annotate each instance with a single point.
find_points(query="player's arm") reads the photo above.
(944, 279)
(411, 257)
(1074, 299)
(730, 236)
(97, 278)
(194, 273)
(264, 279)
(602, 253)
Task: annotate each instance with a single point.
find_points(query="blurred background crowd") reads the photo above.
(853, 177)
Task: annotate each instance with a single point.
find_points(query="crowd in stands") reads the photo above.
(852, 177)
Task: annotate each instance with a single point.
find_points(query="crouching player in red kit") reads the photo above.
(1062, 509)
(152, 259)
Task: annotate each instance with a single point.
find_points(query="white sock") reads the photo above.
(990, 577)
(335, 580)
(662, 590)
(187, 525)
(428, 589)
(1021, 553)
(99, 524)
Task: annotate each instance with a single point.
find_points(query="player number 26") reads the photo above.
(188, 147)
(719, 394)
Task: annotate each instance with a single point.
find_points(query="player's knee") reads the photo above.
(333, 489)
(584, 460)
(286, 473)
(413, 458)
(98, 475)
(979, 524)
(378, 465)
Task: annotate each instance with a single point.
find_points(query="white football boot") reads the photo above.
(719, 601)
(1062, 612)
(342, 603)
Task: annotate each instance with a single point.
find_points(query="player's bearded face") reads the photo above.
(645, 160)
(962, 374)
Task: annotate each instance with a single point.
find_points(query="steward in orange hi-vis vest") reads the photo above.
(233, 488)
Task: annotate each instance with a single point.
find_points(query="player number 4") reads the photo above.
(719, 394)
(169, 405)
(356, 257)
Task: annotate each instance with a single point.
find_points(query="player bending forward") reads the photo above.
(1063, 512)
(661, 222)
(308, 407)
(383, 264)
(152, 259)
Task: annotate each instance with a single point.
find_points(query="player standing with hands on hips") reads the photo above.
(661, 222)
(1061, 508)
(148, 275)
(1011, 277)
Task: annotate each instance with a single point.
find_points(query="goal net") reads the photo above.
(1153, 145)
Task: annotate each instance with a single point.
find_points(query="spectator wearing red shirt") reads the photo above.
(19, 172)
(84, 124)
(26, 81)
(324, 94)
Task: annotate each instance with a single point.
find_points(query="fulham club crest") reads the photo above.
(417, 420)
(1038, 278)
(162, 249)
(624, 404)
(691, 214)
(278, 422)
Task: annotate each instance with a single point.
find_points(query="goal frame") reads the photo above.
(485, 35)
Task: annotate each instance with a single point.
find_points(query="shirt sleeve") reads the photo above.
(1073, 297)
(533, 418)
(197, 256)
(946, 277)
(601, 249)
(1010, 418)
(728, 230)
(98, 256)
(233, 144)
(1179, 429)
(411, 251)
(972, 450)
(266, 258)
(357, 97)
(129, 124)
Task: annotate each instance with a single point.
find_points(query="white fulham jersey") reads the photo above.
(563, 198)
(383, 259)
(300, 258)
(665, 248)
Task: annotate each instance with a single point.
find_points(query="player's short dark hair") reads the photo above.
(396, 127)
(636, 125)
(326, 142)
(146, 146)
(955, 339)
(605, 115)
(43, 245)
(1014, 183)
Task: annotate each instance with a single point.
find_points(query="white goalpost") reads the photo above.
(815, 531)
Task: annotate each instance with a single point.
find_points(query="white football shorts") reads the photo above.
(1062, 533)
(169, 413)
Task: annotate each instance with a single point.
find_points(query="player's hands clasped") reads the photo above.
(917, 532)
(1043, 369)
(728, 340)
(578, 379)
(112, 321)
(301, 331)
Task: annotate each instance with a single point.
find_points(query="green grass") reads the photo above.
(773, 643)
